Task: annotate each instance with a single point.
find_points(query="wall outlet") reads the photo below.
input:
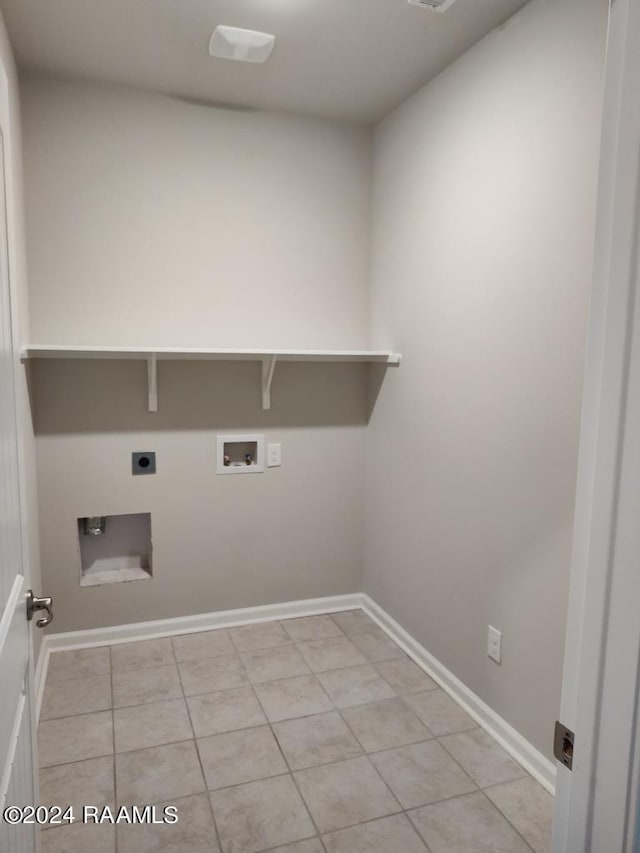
(274, 455)
(494, 644)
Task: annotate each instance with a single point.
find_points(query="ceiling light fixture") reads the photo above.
(434, 5)
(243, 45)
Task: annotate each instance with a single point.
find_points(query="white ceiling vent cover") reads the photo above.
(434, 5)
(243, 45)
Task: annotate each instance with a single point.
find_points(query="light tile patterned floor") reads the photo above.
(312, 735)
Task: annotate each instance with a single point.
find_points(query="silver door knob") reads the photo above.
(34, 604)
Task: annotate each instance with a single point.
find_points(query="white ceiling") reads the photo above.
(347, 59)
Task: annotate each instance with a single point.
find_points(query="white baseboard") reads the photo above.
(40, 676)
(543, 770)
(533, 761)
(201, 622)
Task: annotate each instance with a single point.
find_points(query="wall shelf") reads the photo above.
(268, 358)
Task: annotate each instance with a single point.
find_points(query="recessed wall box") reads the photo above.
(240, 454)
(121, 553)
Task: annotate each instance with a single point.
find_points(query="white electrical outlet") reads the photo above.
(494, 644)
(274, 455)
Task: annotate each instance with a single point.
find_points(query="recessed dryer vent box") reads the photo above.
(240, 454)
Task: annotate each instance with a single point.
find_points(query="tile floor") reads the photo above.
(311, 735)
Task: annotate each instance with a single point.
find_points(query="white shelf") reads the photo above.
(267, 357)
(203, 354)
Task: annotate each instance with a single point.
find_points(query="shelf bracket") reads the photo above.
(152, 381)
(268, 367)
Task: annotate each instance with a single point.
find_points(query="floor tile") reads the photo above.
(260, 815)
(311, 628)
(203, 645)
(393, 834)
(293, 697)
(482, 758)
(211, 674)
(193, 833)
(440, 713)
(150, 684)
(75, 738)
(345, 793)
(405, 676)
(468, 824)
(529, 808)
(158, 774)
(377, 646)
(76, 696)
(79, 784)
(381, 725)
(353, 621)
(309, 741)
(264, 635)
(422, 773)
(311, 845)
(151, 725)
(300, 668)
(225, 711)
(80, 663)
(273, 664)
(145, 653)
(236, 757)
(79, 838)
(355, 686)
(334, 653)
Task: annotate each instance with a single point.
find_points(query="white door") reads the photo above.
(597, 802)
(16, 762)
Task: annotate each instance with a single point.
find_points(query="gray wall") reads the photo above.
(156, 222)
(218, 541)
(484, 202)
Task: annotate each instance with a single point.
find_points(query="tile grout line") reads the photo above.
(375, 769)
(417, 831)
(401, 697)
(475, 782)
(337, 711)
(480, 789)
(113, 735)
(248, 728)
(402, 813)
(337, 761)
(195, 743)
(384, 748)
(290, 773)
(515, 828)
(506, 817)
(312, 639)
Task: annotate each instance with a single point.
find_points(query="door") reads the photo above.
(16, 760)
(596, 802)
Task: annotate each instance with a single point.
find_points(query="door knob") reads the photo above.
(34, 604)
